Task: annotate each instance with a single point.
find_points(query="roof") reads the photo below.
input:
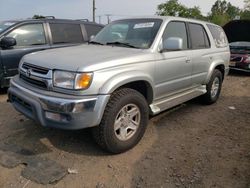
(52, 20)
(164, 18)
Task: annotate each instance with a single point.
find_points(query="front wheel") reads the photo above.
(213, 88)
(124, 121)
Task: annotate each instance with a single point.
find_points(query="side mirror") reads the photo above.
(172, 44)
(92, 37)
(7, 42)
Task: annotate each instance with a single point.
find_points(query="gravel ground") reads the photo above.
(191, 145)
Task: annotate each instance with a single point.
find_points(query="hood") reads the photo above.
(84, 57)
(240, 44)
(238, 30)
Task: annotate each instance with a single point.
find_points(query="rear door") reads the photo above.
(201, 54)
(30, 38)
(64, 34)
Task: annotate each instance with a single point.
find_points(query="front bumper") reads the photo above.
(69, 112)
(5, 82)
(240, 66)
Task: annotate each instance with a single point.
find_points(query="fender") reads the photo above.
(121, 79)
(212, 67)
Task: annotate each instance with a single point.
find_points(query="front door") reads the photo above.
(173, 68)
(29, 38)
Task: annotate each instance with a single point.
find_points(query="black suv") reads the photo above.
(18, 38)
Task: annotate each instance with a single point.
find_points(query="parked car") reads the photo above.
(237, 32)
(18, 38)
(240, 56)
(132, 68)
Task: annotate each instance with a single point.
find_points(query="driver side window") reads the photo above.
(176, 29)
(29, 35)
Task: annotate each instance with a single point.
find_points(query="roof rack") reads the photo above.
(38, 17)
(50, 17)
(85, 20)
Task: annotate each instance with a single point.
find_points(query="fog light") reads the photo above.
(56, 117)
(79, 107)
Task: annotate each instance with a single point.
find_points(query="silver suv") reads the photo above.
(132, 69)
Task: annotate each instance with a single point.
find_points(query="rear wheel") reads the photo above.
(124, 121)
(213, 88)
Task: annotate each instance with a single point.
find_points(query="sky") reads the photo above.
(82, 9)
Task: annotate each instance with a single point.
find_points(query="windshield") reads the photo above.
(133, 33)
(5, 25)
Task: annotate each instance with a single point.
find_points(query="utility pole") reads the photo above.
(108, 17)
(94, 8)
(100, 17)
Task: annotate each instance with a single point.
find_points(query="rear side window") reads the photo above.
(219, 36)
(66, 33)
(29, 35)
(92, 29)
(199, 38)
(176, 29)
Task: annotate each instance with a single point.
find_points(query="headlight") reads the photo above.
(247, 60)
(71, 80)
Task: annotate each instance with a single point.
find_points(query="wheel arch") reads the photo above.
(134, 80)
(219, 65)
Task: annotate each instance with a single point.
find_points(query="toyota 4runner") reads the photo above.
(132, 69)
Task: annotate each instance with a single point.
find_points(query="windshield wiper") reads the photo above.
(94, 42)
(121, 44)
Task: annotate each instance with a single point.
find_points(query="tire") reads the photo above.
(213, 88)
(116, 132)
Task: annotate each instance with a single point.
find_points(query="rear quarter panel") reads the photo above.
(218, 55)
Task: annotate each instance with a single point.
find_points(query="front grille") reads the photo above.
(35, 75)
(37, 83)
(34, 68)
(236, 59)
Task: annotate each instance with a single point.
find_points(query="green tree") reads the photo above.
(247, 5)
(174, 8)
(232, 11)
(245, 14)
(170, 8)
(222, 12)
(195, 13)
(219, 7)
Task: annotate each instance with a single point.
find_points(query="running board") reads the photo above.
(174, 100)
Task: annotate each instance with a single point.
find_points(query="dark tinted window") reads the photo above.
(92, 29)
(66, 33)
(29, 35)
(198, 36)
(176, 29)
(219, 36)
